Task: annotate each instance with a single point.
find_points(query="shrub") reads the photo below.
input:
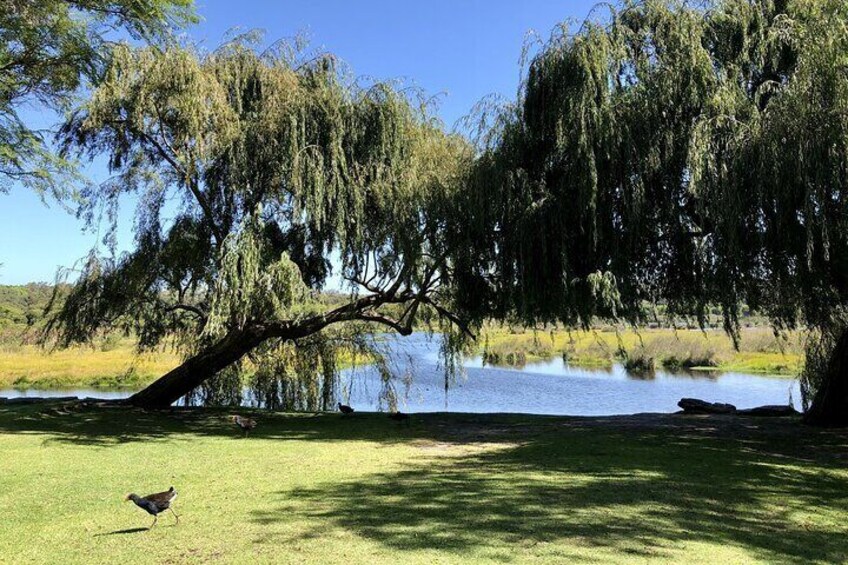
(639, 362)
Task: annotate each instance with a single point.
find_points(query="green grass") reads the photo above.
(448, 488)
(759, 352)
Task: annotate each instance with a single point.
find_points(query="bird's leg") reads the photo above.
(175, 515)
(155, 518)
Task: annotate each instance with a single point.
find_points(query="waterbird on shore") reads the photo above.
(345, 409)
(246, 424)
(154, 504)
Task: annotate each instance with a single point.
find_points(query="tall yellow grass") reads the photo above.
(32, 367)
(115, 366)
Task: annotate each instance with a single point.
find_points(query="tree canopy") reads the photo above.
(250, 169)
(692, 157)
(48, 48)
(670, 153)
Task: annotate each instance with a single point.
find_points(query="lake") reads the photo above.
(549, 387)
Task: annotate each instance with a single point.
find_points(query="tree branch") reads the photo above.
(190, 183)
(401, 328)
(351, 311)
(454, 319)
(188, 308)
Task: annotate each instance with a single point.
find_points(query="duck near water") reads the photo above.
(246, 424)
(154, 504)
(345, 409)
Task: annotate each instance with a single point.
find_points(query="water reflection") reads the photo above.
(559, 366)
(554, 387)
(548, 387)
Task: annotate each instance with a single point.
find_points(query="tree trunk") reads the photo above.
(183, 379)
(233, 346)
(830, 404)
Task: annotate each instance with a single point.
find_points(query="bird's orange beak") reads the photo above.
(126, 498)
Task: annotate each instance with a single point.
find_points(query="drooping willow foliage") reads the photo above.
(250, 169)
(287, 376)
(667, 152)
(671, 153)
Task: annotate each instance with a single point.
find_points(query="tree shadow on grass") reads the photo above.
(643, 491)
(110, 424)
(81, 424)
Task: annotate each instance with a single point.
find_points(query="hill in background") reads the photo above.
(22, 306)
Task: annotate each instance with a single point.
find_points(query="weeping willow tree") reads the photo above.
(250, 170)
(676, 154)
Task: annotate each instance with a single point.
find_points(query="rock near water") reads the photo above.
(771, 410)
(696, 406)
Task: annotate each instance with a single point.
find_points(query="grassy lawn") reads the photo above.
(759, 352)
(447, 488)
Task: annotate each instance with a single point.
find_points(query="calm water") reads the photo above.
(539, 388)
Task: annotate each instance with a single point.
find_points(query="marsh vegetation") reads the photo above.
(646, 349)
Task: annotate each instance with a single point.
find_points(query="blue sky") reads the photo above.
(463, 49)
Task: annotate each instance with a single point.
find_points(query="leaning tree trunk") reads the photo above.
(830, 404)
(183, 379)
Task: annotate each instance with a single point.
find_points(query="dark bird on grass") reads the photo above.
(345, 409)
(399, 416)
(154, 504)
(246, 424)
